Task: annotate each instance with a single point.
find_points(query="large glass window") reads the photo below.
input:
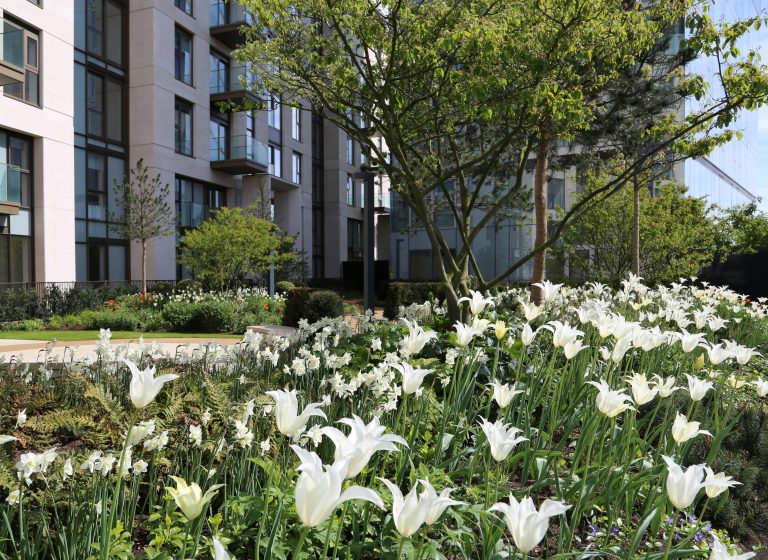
(183, 127)
(350, 190)
(103, 29)
(195, 201)
(354, 240)
(556, 193)
(184, 5)
(183, 56)
(296, 123)
(350, 150)
(274, 114)
(16, 244)
(28, 91)
(219, 139)
(296, 168)
(275, 161)
(219, 73)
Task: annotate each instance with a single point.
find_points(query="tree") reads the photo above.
(143, 212)
(742, 229)
(678, 236)
(454, 87)
(232, 244)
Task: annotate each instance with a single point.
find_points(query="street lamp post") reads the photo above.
(369, 263)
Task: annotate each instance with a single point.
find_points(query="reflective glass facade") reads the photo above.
(16, 243)
(100, 138)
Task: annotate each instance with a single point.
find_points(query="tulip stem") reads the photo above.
(671, 534)
(300, 543)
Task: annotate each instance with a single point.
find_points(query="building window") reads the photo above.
(16, 243)
(350, 190)
(296, 168)
(273, 111)
(183, 127)
(296, 123)
(99, 30)
(354, 240)
(28, 56)
(219, 138)
(219, 73)
(183, 51)
(350, 150)
(184, 5)
(275, 161)
(556, 194)
(195, 201)
(103, 105)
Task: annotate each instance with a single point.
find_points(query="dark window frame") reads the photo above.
(178, 72)
(182, 105)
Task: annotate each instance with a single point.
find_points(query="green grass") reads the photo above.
(66, 336)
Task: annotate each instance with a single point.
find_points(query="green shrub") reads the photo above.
(296, 306)
(19, 305)
(284, 286)
(200, 316)
(400, 294)
(160, 287)
(312, 305)
(115, 320)
(189, 285)
(25, 325)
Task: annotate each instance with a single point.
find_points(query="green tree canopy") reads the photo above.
(233, 244)
(454, 88)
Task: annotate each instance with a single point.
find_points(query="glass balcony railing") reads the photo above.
(382, 200)
(11, 53)
(235, 79)
(241, 147)
(228, 13)
(10, 183)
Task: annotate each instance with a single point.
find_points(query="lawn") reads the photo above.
(92, 335)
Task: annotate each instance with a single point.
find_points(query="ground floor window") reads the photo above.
(16, 242)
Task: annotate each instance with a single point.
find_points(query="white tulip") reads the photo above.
(437, 503)
(465, 333)
(642, 391)
(720, 552)
(527, 335)
(477, 303)
(412, 377)
(760, 385)
(574, 347)
(527, 525)
(666, 385)
(289, 421)
(190, 497)
(531, 311)
(503, 393)
(698, 388)
(689, 341)
(144, 385)
(611, 403)
(417, 338)
(717, 354)
(562, 333)
(362, 442)
(716, 484)
(409, 512)
(502, 438)
(6, 439)
(219, 552)
(683, 486)
(319, 488)
(682, 430)
(549, 291)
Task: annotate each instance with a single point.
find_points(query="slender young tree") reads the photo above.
(143, 212)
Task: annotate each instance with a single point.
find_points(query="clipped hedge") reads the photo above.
(199, 316)
(312, 305)
(401, 294)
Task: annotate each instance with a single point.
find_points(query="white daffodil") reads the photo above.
(503, 393)
(362, 442)
(683, 486)
(289, 421)
(319, 488)
(611, 403)
(502, 438)
(683, 430)
(527, 525)
(21, 418)
(144, 385)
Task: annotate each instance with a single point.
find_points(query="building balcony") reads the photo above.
(10, 189)
(239, 155)
(11, 53)
(382, 203)
(227, 20)
(232, 84)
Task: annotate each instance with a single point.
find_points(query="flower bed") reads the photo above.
(596, 424)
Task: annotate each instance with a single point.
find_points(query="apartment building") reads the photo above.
(89, 87)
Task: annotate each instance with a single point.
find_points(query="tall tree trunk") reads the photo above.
(144, 266)
(636, 229)
(540, 209)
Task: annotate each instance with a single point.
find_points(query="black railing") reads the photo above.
(41, 288)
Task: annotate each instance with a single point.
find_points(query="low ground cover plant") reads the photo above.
(603, 423)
